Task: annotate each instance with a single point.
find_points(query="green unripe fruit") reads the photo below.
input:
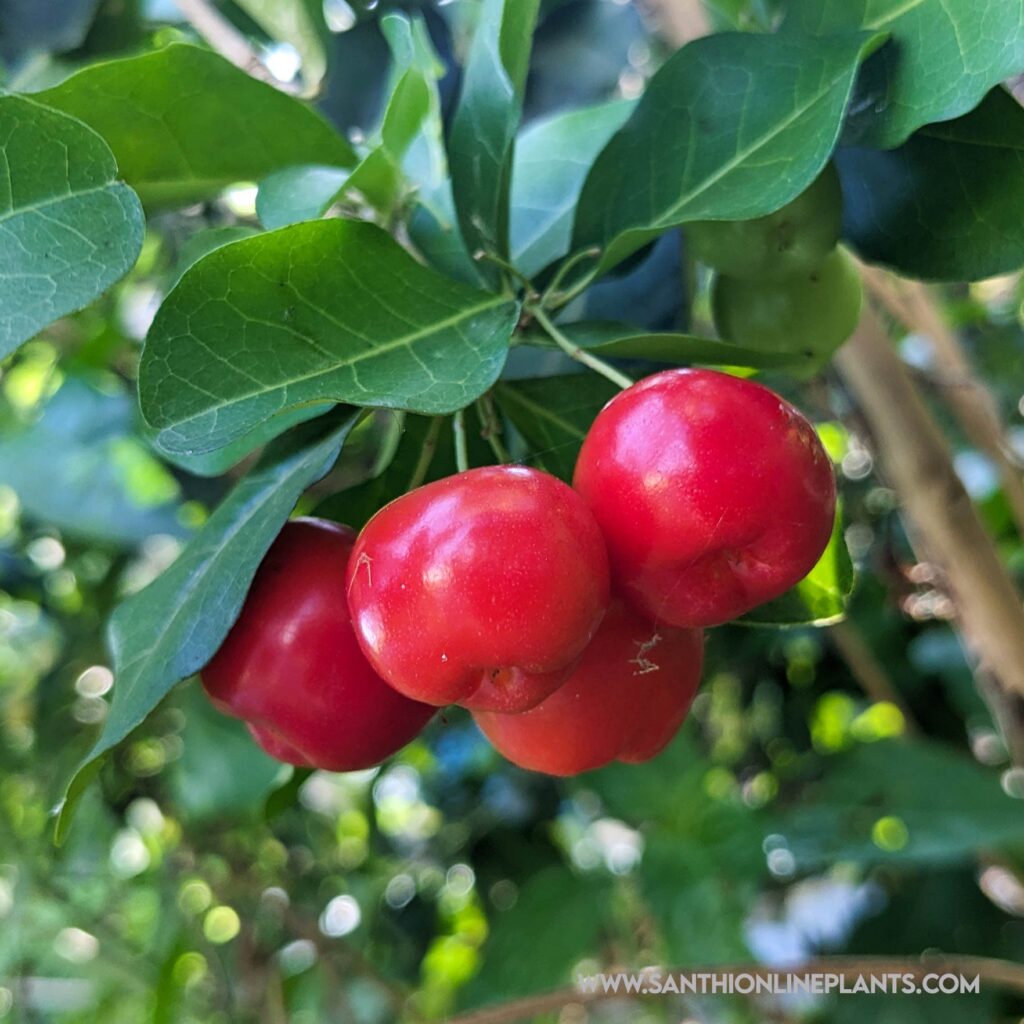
(811, 315)
(786, 243)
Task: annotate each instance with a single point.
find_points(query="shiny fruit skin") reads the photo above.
(812, 314)
(291, 667)
(625, 701)
(714, 495)
(481, 589)
(791, 241)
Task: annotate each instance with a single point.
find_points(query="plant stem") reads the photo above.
(573, 350)
(569, 264)
(868, 671)
(419, 473)
(510, 270)
(1002, 973)
(492, 427)
(459, 430)
(212, 26)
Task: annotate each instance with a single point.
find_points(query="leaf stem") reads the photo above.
(570, 348)
(492, 427)
(419, 473)
(459, 430)
(510, 270)
(548, 298)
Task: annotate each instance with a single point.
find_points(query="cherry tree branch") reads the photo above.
(1001, 973)
(940, 516)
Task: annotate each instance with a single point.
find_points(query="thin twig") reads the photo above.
(570, 348)
(419, 473)
(212, 26)
(459, 431)
(491, 431)
(1001, 973)
(868, 671)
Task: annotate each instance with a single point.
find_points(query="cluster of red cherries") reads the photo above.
(568, 620)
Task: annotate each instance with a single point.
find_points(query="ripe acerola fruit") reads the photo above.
(714, 495)
(291, 667)
(791, 241)
(481, 589)
(812, 314)
(625, 701)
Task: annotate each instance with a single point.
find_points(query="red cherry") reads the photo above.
(481, 589)
(291, 667)
(714, 494)
(625, 701)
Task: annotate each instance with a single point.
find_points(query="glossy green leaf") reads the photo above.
(731, 127)
(328, 310)
(622, 341)
(484, 126)
(552, 158)
(184, 123)
(169, 630)
(306, 192)
(222, 772)
(220, 460)
(553, 414)
(913, 801)
(299, 23)
(820, 598)
(196, 246)
(942, 57)
(68, 228)
(946, 205)
(100, 483)
(434, 230)
(299, 193)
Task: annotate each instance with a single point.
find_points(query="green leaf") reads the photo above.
(622, 341)
(700, 902)
(306, 192)
(484, 126)
(222, 772)
(559, 917)
(821, 597)
(100, 483)
(909, 801)
(329, 310)
(943, 56)
(220, 460)
(731, 127)
(553, 414)
(946, 205)
(434, 230)
(68, 228)
(299, 193)
(300, 23)
(196, 246)
(552, 158)
(169, 630)
(184, 123)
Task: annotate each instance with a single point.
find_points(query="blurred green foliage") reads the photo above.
(797, 812)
